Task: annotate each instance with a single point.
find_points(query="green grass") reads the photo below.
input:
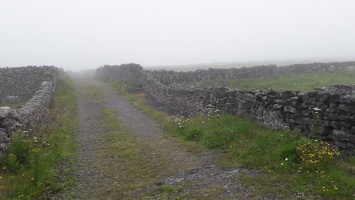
(252, 146)
(249, 145)
(32, 169)
(298, 82)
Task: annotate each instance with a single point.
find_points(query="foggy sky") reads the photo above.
(78, 34)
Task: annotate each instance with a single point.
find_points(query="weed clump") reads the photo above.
(317, 153)
(20, 149)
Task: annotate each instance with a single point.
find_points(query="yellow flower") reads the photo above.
(0, 177)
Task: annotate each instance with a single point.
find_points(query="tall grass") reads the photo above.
(31, 170)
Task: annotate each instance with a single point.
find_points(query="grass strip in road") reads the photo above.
(294, 166)
(131, 166)
(35, 163)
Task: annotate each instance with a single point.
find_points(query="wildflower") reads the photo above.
(286, 159)
(282, 163)
(0, 177)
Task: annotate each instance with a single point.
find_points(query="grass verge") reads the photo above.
(294, 166)
(34, 165)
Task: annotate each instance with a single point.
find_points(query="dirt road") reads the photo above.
(124, 154)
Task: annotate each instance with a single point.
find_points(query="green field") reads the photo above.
(297, 82)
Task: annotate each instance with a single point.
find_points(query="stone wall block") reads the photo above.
(349, 99)
(334, 98)
(290, 109)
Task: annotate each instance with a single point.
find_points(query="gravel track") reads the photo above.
(195, 174)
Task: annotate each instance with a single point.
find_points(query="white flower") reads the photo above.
(286, 159)
(282, 163)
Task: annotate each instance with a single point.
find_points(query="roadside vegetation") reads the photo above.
(298, 82)
(293, 166)
(35, 166)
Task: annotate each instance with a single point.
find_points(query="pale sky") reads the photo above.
(79, 34)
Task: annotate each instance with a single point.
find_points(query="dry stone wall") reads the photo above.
(18, 84)
(329, 112)
(34, 113)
